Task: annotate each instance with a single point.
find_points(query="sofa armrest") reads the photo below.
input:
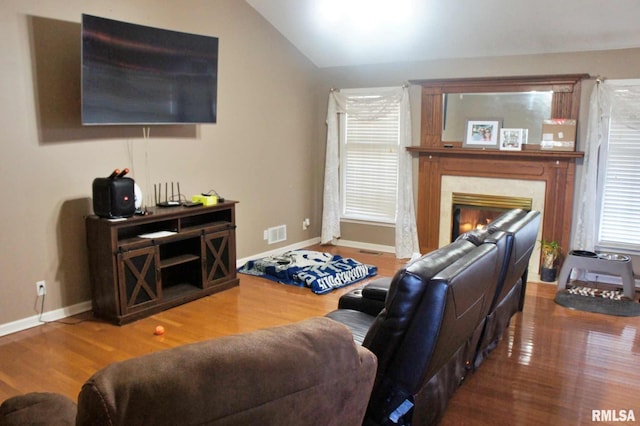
(377, 289)
(368, 298)
(38, 408)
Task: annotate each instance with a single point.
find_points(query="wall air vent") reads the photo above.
(277, 234)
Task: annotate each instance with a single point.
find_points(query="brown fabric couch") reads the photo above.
(309, 372)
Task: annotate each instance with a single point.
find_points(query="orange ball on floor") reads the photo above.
(159, 330)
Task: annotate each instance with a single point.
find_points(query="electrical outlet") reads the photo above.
(41, 288)
(305, 224)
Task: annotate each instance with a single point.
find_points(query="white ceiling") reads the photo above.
(437, 29)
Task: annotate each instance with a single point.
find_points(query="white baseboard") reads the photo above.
(36, 320)
(313, 241)
(366, 246)
(296, 246)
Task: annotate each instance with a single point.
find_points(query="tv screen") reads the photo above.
(134, 74)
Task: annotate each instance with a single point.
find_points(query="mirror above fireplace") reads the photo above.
(510, 99)
(520, 110)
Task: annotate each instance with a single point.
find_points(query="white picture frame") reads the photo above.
(512, 139)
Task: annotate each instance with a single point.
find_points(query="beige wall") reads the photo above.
(266, 151)
(258, 153)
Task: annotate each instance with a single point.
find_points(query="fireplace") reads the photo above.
(494, 193)
(439, 159)
(473, 211)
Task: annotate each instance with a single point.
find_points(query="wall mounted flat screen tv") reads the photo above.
(134, 74)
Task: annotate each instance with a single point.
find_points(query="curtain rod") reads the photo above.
(333, 89)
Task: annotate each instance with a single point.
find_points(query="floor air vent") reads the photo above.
(373, 252)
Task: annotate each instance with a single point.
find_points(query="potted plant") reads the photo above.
(550, 254)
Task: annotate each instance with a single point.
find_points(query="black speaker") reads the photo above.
(114, 197)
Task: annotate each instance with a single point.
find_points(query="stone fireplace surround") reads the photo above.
(548, 175)
(532, 189)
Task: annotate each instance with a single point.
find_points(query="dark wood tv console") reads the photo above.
(145, 264)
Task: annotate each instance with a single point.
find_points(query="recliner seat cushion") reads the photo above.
(357, 322)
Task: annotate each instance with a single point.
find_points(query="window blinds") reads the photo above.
(620, 179)
(370, 159)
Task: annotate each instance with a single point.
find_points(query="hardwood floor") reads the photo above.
(554, 366)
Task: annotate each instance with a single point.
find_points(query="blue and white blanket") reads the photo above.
(321, 272)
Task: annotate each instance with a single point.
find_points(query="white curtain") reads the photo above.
(406, 230)
(620, 97)
(331, 199)
(585, 231)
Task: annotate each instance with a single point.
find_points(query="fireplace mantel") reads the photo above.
(529, 154)
(437, 158)
(556, 169)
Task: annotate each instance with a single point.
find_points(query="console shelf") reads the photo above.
(177, 260)
(146, 264)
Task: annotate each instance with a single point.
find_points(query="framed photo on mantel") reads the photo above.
(513, 139)
(482, 134)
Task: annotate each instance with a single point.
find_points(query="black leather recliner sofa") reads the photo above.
(439, 317)
(520, 230)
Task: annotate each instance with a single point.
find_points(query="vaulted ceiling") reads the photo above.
(358, 32)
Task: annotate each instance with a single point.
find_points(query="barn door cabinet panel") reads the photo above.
(138, 283)
(219, 256)
(145, 264)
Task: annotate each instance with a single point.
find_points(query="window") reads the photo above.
(619, 176)
(370, 139)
